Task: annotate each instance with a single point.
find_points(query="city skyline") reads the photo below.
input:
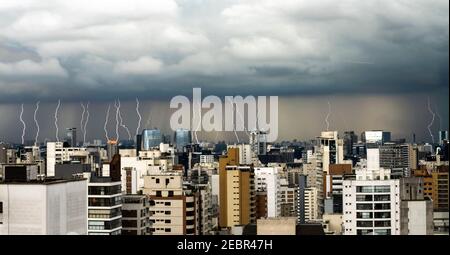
(311, 113)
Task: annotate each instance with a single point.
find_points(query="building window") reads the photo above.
(1, 207)
(167, 230)
(157, 180)
(158, 193)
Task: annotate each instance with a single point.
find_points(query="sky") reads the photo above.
(376, 62)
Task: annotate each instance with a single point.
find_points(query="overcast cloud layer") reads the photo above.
(108, 48)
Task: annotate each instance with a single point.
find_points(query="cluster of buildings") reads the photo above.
(334, 184)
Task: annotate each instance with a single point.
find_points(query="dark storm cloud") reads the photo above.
(107, 49)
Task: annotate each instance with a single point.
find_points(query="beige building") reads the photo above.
(311, 204)
(237, 191)
(171, 211)
(276, 226)
(333, 223)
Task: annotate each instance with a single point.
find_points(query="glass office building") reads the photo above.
(151, 138)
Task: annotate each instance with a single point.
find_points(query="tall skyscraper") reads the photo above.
(151, 138)
(112, 148)
(258, 142)
(268, 180)
(72, 136)
(237, 191)
(331, 149)
(443, 135)
(182, 138)
(350, 138)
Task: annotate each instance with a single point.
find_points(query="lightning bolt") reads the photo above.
(82, 117)
(439, 117)
(23, 124)
(106, 122)
(85, 123)
(198, 126)
(432, 120)
(37, 124)
(117, 120)
(328, 116)
(56, 120)
(234, 129)
(139, 116)
(121, 121)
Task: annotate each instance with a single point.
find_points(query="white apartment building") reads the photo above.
(331, 148)
(104, 206)
(47, 207)
(371, 207)
(57, 154)
(311, 204)
(268, 179)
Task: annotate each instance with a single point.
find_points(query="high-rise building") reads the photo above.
(371, 202)
(151, 138)
(258, 142)
(172, 212)
(443, 135)
(112, 148)
(350, 138)
(371, 207)
(245, 153)
(237, 191)
(72, 136)
(331, 149)
(288, 199)
(267, 180)
(375, 137)
(333, 186)
(58, 154)
(397, 157)
(416, 211)
(135, 215)
(43, 207)
(440, 188)
(3, 153)
(311, 204)
(104, 206)
(105, 201)
(182, 138)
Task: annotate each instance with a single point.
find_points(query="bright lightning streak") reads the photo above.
(56, 120)
(328, 116)
(432, 120)
(439, 117)
(139, 116)
(198, 126)
(23, 123)
(106, 122)
(85, 123)
(82, 117)
(117, 120)
(234, 128)
(121, 122)
(37, 124)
